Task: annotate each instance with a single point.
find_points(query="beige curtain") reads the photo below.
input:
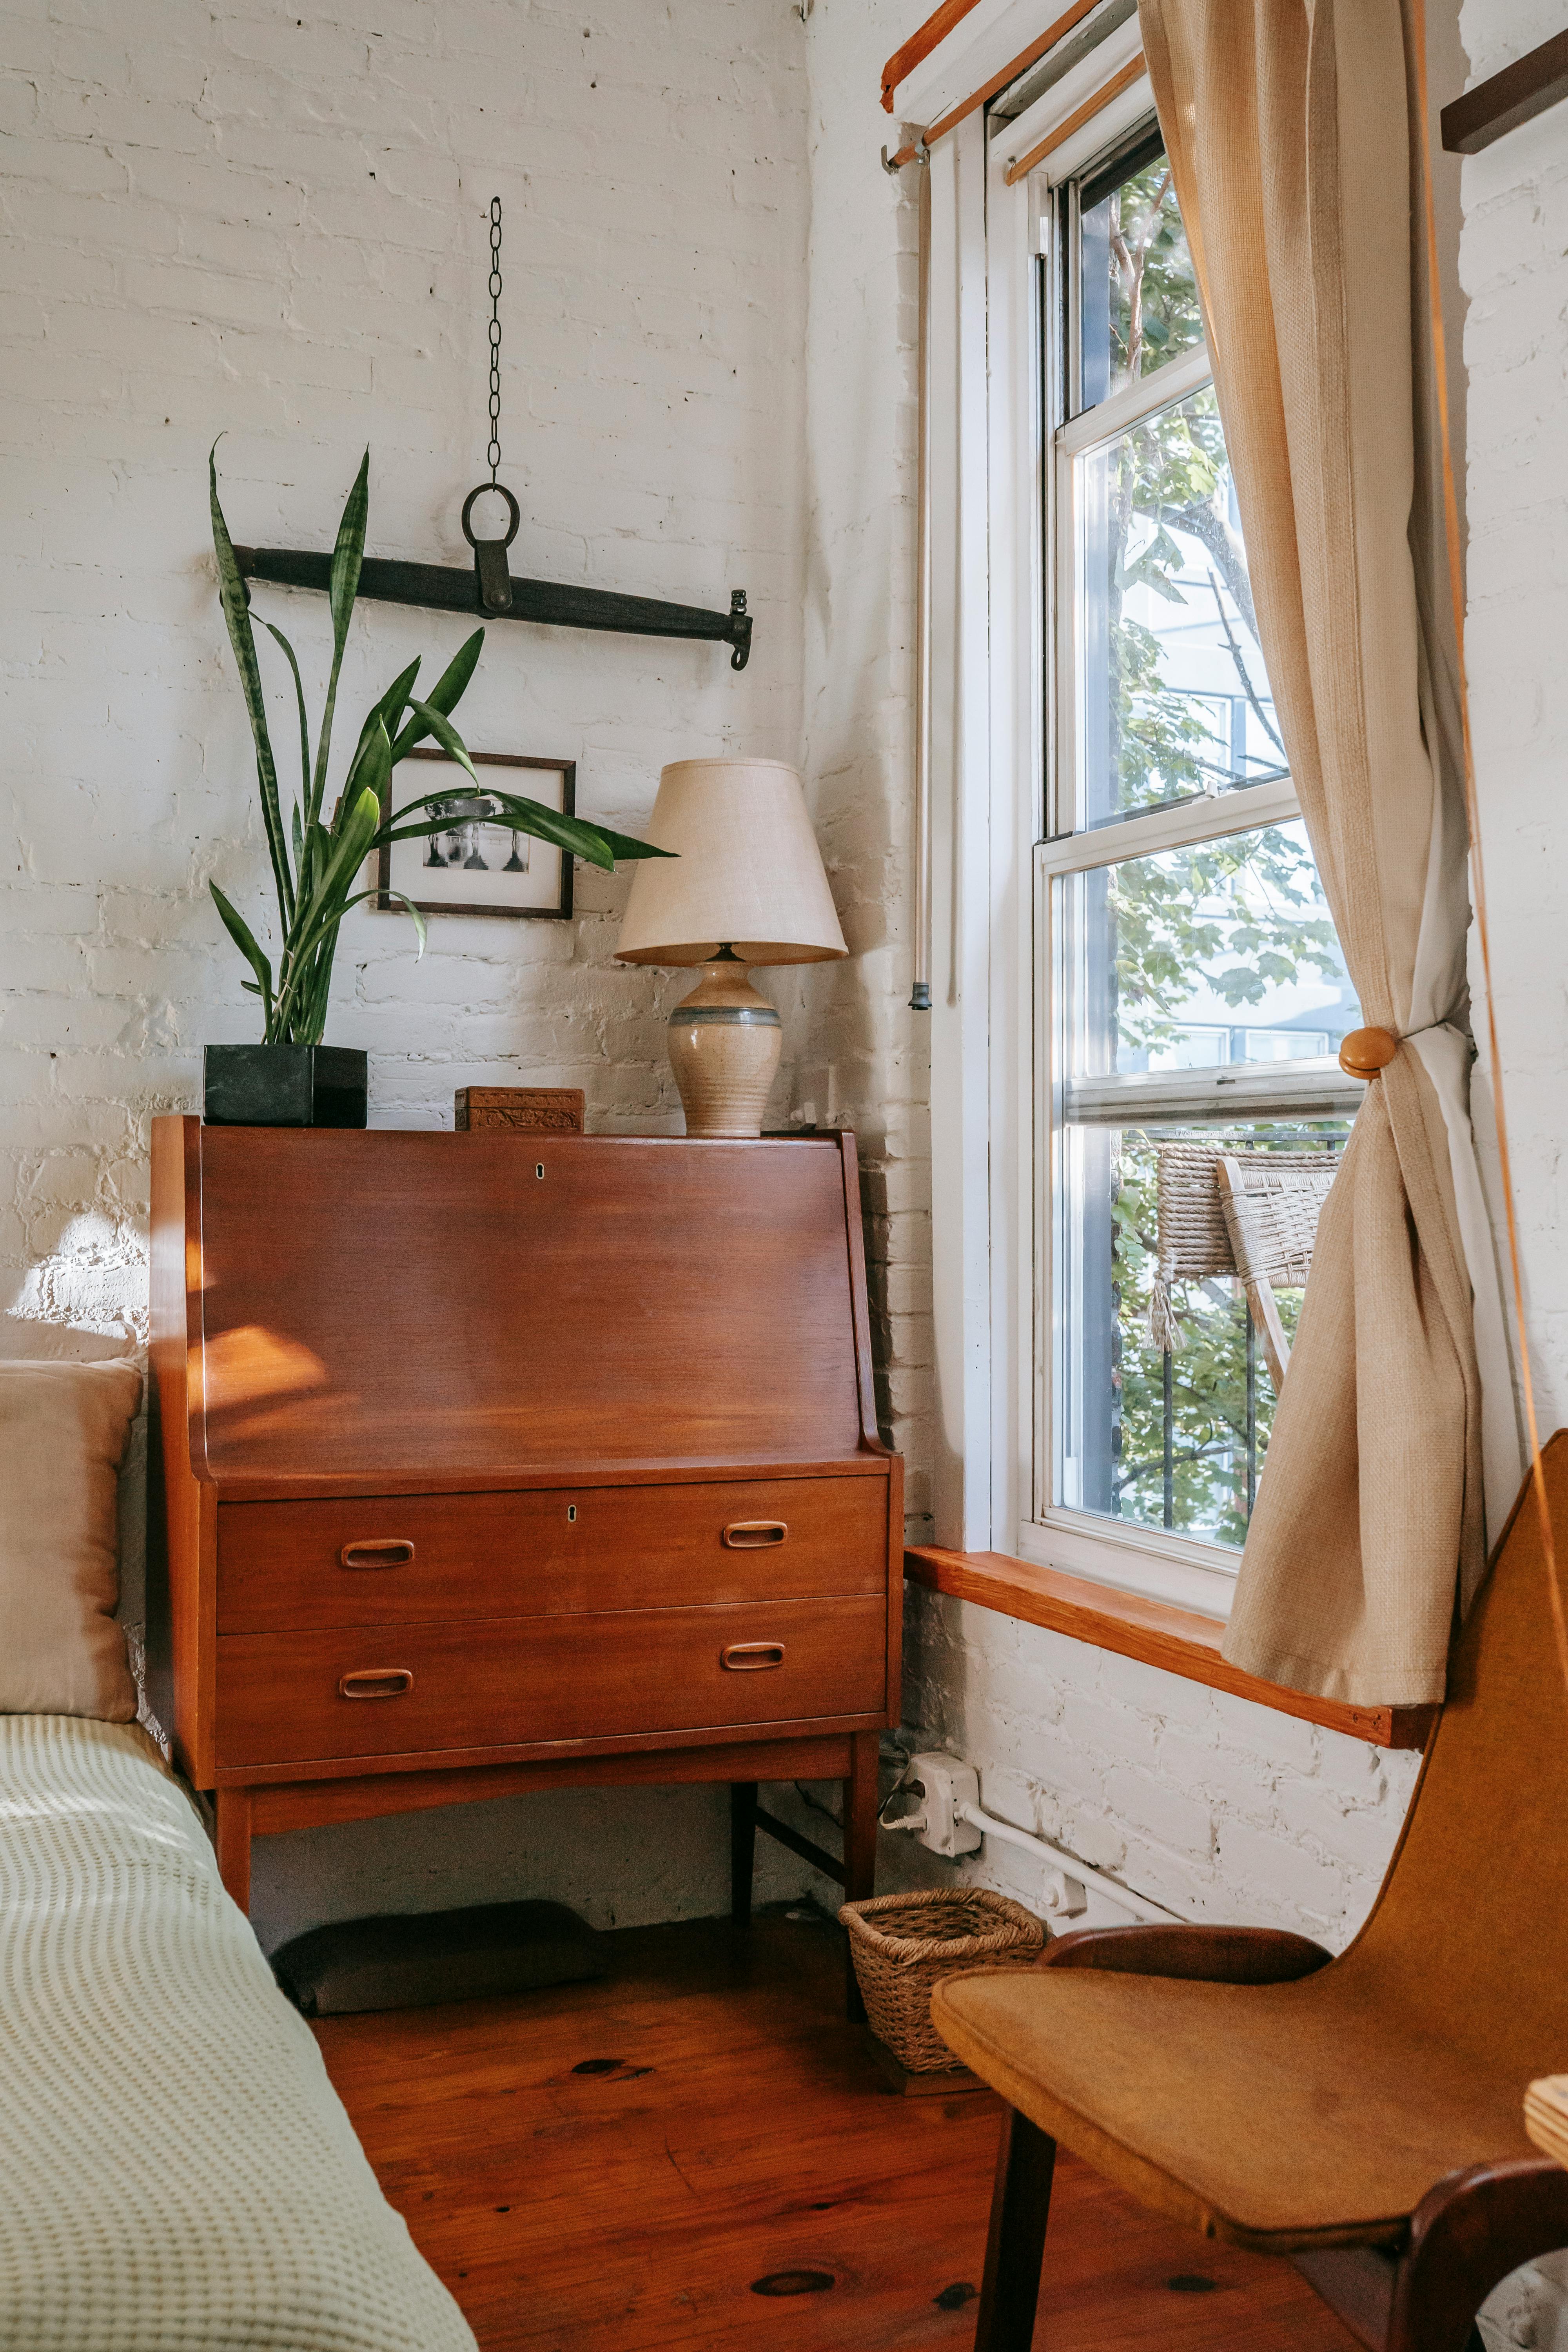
(1290, 131)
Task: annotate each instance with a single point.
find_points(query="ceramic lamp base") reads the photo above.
(724, 1046)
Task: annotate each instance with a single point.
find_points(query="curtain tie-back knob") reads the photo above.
(1366, 1051)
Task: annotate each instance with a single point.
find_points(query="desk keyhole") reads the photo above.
(539, 1169)
(571, 1510)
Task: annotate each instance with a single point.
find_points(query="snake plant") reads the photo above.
(317, 861)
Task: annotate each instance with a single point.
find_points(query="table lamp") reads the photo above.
(746, 886)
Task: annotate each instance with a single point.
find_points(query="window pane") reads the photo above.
(1201, 957)
(1165, 1437)
(1138, 299)
(1172, 693)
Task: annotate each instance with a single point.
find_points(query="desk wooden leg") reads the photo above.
(233, 1809)
(860, 1819)
(859, 1840)
(742, 1849)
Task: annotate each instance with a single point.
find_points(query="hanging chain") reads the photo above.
(492, 454)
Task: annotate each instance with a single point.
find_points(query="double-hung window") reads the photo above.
(1190, 994)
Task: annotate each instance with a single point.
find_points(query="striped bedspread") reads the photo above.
(176, 2172)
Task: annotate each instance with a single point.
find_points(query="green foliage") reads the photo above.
(316, 863)
(1208, 1371)
(1236, 917)
(1155, 313)
(1240, 915)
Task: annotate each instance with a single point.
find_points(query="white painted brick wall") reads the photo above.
(270, 221)
(1516, 275)
(224, 217)
(1212, 1806)
(1513, 260)
(858, 727)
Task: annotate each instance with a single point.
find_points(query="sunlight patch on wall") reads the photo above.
(93, 1284)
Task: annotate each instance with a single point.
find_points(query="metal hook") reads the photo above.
(919, 152)
(739, 629)
(489, 554)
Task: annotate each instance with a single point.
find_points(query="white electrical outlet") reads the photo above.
(947, 1782)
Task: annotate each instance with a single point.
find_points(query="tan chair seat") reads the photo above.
(1276, 2116)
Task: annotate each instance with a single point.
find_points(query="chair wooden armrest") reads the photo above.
(1467, 2232)
(1249, 1956)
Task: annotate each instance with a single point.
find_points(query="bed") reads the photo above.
(176, 2172)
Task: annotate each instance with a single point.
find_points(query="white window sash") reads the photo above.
(994, 498)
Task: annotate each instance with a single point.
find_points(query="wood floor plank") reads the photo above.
(730, 2127)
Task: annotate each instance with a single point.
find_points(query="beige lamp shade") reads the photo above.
(747, 873)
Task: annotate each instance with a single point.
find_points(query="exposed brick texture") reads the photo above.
(1513, 261)
(234, 218)
(270, 222)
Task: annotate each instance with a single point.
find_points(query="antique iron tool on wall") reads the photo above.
(490, 588)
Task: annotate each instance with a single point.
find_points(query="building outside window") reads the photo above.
(1189, 987)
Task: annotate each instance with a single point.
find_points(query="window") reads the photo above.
(1191, 989)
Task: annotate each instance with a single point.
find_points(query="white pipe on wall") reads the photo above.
(1137, 1905)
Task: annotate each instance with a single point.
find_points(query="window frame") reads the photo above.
(1035, 782)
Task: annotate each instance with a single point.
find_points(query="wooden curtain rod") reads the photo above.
(1522, 90)
(921, 43)
(987, 90)
(1102, 97)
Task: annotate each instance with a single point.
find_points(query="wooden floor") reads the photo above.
(632, 2166)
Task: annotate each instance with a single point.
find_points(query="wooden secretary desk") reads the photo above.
(493, 1463)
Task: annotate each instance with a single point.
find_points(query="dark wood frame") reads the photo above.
(560, 913)
(1515, 96)
(1471, 2229)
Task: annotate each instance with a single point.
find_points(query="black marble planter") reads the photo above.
(283, 1086)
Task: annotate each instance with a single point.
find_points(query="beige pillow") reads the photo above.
(63, 1433)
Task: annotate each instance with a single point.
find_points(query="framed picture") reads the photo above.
(477, 864)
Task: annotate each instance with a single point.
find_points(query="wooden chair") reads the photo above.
(1361, 2115)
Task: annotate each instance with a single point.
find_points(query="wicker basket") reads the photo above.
(902, 1945)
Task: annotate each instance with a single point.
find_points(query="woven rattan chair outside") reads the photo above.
(1251, 1215)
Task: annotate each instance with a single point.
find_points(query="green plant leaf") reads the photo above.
(389, 711)
(625, 846)
(304, 723)
(399, 899)
(243, 938)
(237, 616)
(437, 723)
(350, 849)
(578, 835)
(443, 695)
(348, 555)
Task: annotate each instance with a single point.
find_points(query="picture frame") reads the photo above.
(478, 868)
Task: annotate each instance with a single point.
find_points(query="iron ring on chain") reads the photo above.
(484, 491)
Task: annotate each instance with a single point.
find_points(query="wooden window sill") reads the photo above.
(1174, 1638)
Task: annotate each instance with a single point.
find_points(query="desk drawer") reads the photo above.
(401, 1559)
(286, 1698)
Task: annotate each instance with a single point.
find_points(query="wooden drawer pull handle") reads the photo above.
(393, 1552)
(751, 1657)
(377, 1682)
(753, 1535)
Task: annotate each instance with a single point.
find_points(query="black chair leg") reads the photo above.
(742, 1849)
(1020, 2207)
